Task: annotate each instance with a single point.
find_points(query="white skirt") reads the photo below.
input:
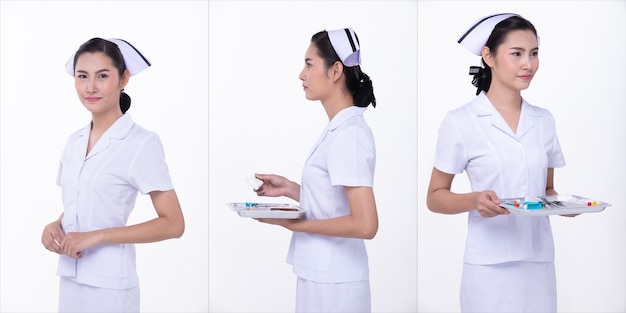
(79, 298)
(509, 287)
(333, 297)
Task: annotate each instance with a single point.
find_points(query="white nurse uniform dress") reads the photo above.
(99, 191)
(344, 155)
(509, 259)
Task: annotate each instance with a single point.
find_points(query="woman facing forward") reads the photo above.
(103, 167)
(327, 249)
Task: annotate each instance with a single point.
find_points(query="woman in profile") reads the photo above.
(327, 249)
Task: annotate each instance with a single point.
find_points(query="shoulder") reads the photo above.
(350, 118)
(538, 111)
(79, 133)
(355, 125)
(352, 129)
(464, 111)
(138, 132)
(142, 132)
(356, 121)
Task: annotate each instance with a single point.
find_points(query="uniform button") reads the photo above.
(518, 145)
(523, 187)
(522, 165)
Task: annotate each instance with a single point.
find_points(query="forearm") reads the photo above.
(160, 228)
(440, 198)
(169, 224)
(344, 226)
(550, 183)
(551, 192)
(59, 219)
(293, 191)
(446, 202)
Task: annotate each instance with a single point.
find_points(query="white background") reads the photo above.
(260, 121)
(39, 109)
(581, 80)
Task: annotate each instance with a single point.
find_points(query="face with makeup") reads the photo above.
(98, 83)
(514, 62)
(316, 81)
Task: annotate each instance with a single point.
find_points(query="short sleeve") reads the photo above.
(450, 155)
(352, 158)
(65, 156)
(555, 157)
(59, 174)
(148, 171)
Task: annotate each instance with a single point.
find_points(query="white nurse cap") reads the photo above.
(475, 38)
(346, 45)
(134, 60)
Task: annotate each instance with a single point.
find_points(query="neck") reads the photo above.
(101, 122)
(337, 102)
(506, 99)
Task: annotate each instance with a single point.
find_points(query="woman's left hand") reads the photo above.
(73, 244)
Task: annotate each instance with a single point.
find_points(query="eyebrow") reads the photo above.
(99, 71)
(522, 49)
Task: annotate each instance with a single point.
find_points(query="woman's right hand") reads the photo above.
(52, 236)
(276, 186)
(487, 204)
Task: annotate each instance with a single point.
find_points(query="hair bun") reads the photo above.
(365, 94)
(124, 102)
(482, 78)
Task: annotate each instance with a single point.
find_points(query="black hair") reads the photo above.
(482, 75)
(358, 83)
(111, 50)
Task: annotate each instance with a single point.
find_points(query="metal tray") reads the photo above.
(267, 210)
(553, 205)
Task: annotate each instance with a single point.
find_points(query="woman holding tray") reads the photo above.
(509, 149)
(327, 249)
(103, 167)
